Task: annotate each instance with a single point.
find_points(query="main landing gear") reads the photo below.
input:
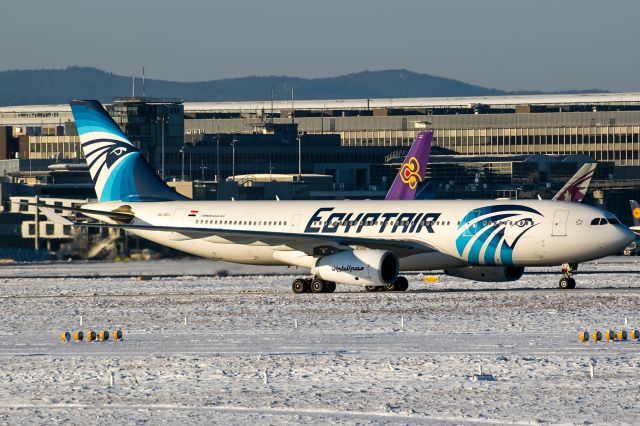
(567, 282)
(400, 284)
(315, 285)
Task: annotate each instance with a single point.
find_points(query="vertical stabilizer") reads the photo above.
(635, 212)
(413, 169)
(576, 188)
(118, 170)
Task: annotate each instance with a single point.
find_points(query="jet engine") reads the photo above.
(359, 267)
(488, 273)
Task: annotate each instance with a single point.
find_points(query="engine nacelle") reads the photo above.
(488, 273)
(359, 267)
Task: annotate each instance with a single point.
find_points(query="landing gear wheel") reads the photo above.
(299, 286)
(330, 286)
(371, 288)
(401, 284)
(565, 283)
(390, 287)
(317, 286)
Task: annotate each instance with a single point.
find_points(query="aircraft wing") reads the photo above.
(401, 246)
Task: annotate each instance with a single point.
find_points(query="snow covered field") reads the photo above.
(355, 357)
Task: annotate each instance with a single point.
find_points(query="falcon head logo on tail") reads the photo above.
(118, 170)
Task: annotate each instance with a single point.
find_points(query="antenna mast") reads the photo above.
(271, 105)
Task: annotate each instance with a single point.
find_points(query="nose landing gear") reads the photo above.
(567, 282)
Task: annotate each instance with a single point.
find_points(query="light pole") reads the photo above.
(233, 157)
(299, 158)
(190, 162)
(162, 118)
(203, 168)
(217, 158)
(182, 177)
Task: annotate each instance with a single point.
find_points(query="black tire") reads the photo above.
(565, 284)
(330, 286)
(317, 286)
(572, 283)
(371, 288)
(299, 286)
(402, 284)
(389, 287)
(307, 285)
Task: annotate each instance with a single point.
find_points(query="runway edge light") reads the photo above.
(609, 335)
(65, 337)
(596, 336)
(584, 336)
(117, 335)
(78, 336)
(621, 335)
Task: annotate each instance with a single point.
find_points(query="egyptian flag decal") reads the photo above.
(192, 213)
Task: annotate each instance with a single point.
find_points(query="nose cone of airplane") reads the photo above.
(621, 237)
(629, 236)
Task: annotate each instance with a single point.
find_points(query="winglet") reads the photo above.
(413, 169)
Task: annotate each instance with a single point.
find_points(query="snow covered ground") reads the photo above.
(355, 357)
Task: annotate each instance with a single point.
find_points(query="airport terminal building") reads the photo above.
(484, 147)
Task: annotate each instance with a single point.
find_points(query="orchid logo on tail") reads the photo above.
(410, 173)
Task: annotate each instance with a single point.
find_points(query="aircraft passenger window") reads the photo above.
(285, 224)
(448, 222)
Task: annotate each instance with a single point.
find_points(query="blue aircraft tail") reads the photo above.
(118, 170)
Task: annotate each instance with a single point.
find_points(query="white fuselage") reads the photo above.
(460, 233)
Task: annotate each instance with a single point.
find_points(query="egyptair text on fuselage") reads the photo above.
(325, 220)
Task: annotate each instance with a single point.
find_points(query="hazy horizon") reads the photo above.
(544, 45)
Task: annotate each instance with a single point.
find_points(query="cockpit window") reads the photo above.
(599, 221)
(613, 221)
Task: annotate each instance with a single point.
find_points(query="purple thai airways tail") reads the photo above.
(576, 188)
(413, 169)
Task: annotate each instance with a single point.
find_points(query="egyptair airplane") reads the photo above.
(362, 243)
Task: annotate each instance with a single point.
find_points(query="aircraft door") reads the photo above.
(294, 223)
(560, 223)
(177, 216)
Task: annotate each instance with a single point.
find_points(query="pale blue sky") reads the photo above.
(507, 44)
